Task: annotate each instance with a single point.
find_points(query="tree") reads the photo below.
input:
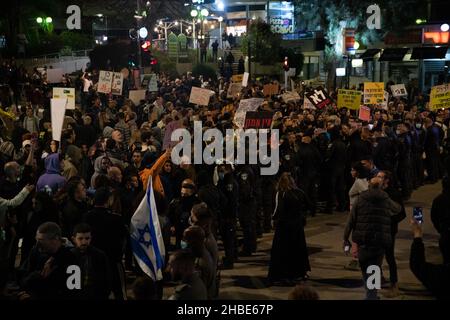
(265, 46)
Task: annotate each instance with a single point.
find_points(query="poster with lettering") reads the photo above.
(373, 92)
(307, 104)
(234, 89)
(237, 78)
(350, 99)
(117, 83)
(136, 96)
(399, 90)
(440, 97)
(384, 105)
(54, 75)
(245, 79)
(245, 105)
(104, 81)
(319, 97)
(364, 113)
(65, 93)
(200, 96)
(258, 120)
(153, 84)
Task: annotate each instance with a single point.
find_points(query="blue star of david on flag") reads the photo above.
(142, 233)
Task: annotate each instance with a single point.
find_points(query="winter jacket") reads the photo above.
(52, 178)
(370, 219)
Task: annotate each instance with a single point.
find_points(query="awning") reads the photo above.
(369, 53)
(429, 53)
(393, 54)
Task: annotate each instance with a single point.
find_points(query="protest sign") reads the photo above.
(117, 83)
(245, 79)
(244, 106)
(200, 96)
(258, 120)
(234, 89)
(104, 81)
(57, 110)
(350, 99)
(65, 93)
(271, 89)
(54, 75)
(290, 96)
(237, 78)
(440, 97)
(136, 96)
(318, 97)
(384, 105)
(153, 84)
(307, 104)
(399, 90)
(373, 92)
(364, 113)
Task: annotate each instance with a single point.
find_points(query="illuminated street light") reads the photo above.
(194, 13)
(176, 23)
(204, 12)
(220, 6)
(220, 19)
(445, 27)
(105, 38)
(99, 15)
(356, 45)
(39, 20)
(143, 32)
(160, 22)
(156, 29)
(420, 21)
(198, 20)
(48, 20)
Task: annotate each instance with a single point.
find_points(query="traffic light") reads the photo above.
(146, 45)
(286, 64)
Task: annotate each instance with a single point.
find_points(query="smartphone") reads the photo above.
(418, 214)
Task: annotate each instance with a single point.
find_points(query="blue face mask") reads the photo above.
(183, 244)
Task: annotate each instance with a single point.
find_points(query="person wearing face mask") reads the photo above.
(180, 208)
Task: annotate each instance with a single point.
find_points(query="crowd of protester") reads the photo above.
(71, 201)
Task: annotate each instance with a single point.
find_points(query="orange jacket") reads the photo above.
(154, 172)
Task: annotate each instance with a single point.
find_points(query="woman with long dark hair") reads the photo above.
(289, 255)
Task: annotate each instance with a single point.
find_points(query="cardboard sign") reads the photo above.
(245, 106)
(364, 113)
(54, 75)
(136, 96)
(65, 93)
(105, 82)
(117, 83)
(440, 97)
(245, 79)
(399, 90)
(318, 97)
(350, 99)
(153, 84)
(57, 110)
(307, 104)
(234, 89)
(237, 78)
(258, 120)
(271, 89)
(200, 96)
(384, 105)
(373, 92)
(290, 96)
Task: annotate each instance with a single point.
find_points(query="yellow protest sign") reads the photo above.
(440, 97)
(350, 99)
(237, 78)
(373, 92)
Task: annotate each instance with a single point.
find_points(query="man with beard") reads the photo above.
(95, 272)
(180, 209)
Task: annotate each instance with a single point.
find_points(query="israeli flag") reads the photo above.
(146, 238)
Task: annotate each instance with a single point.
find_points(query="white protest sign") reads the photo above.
(117, 83)
(245, 79)
(307, 104)
(153, 84)
(200, 96)
(136, 96)
(384, 105)
(65, 93)
(54, 75)
(290, 96)
(57, 109)
(234, 89)
(104, 82)
(399, 90)
(244, 106)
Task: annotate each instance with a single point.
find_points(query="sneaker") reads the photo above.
(353, 265)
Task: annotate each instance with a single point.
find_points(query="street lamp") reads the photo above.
(39, 20)
(48, 20)
(445, 27)
(143, 32)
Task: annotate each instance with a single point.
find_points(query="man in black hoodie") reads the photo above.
(440, 216)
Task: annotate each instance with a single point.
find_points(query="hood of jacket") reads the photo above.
(52, 164)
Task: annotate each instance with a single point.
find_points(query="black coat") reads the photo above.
(289, 254)
(440, 215)
(72, 214)
(308, 159)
